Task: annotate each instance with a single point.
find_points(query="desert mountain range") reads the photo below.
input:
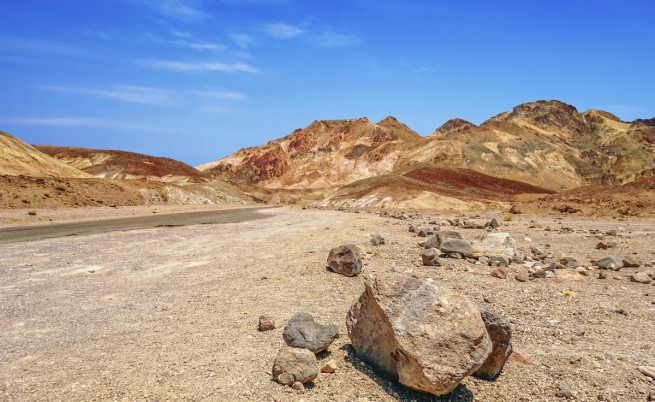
(545, 143)
(538, 152)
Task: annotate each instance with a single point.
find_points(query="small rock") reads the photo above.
(518, 357)
(602, 275)
(377, 240)
(303, 332)
(493, 224)
(484, 260)
(522, 277)
(620, 311)
(31, 212)
(631, 262)
(564, 391)
(422, 233)
(569, 262)
(412, 229)
(648, 371)
(499, 272)
(266, 323)
(564, 275)
(345, 260)
(430, 258)
(458, 246)
(298, 386)
(330, 367)
(498, 261)
(294, 364)
(610, 262)
(640, 277)
(436, 240)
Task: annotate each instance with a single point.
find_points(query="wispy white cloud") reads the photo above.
(333, 39)
(280, 30)
(256, 2)
(187, 41)
(124, 93)
(78, 122)
(16, 44)
(220, 95)
(218, 109)
(242, 40)
(212, 66)
(183, 10)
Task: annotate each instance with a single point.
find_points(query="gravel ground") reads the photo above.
(171, 313)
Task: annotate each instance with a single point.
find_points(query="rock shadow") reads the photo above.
(399, 392)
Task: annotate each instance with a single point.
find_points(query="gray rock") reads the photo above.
(640, 277)
(459, 246)
(423, 335)
(611, 263)
(292, 364)
(493, 224)
(498, 261)
(500, 332)
(303, 332)
(430, 258)
(377, 240)
(484, 260)
(422, 233)
(569, 262)
(345, 260)
(436, 240)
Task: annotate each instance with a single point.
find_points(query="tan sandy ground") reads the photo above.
(171, 313)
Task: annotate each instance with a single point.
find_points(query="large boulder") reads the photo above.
(494, 245)
(302, 332)
(292, 364)
(500, 332)
(345, 260)
(424, 336)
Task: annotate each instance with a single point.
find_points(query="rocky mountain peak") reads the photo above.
(452, 126)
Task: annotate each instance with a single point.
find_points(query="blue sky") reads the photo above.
(196, 80)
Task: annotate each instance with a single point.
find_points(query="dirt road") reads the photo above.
(39, 232)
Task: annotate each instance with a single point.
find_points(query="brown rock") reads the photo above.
(430, 258)
(500, 273)
(266, 323)
(398, 320)
(522, 277)
(500, 332)
(293, 364)
(329, 367)
(631, 262)
(568, 275)
(518, 357)
(345, 260)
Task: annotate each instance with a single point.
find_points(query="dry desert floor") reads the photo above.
(171, 314)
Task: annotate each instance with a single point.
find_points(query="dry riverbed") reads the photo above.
(171, 313)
